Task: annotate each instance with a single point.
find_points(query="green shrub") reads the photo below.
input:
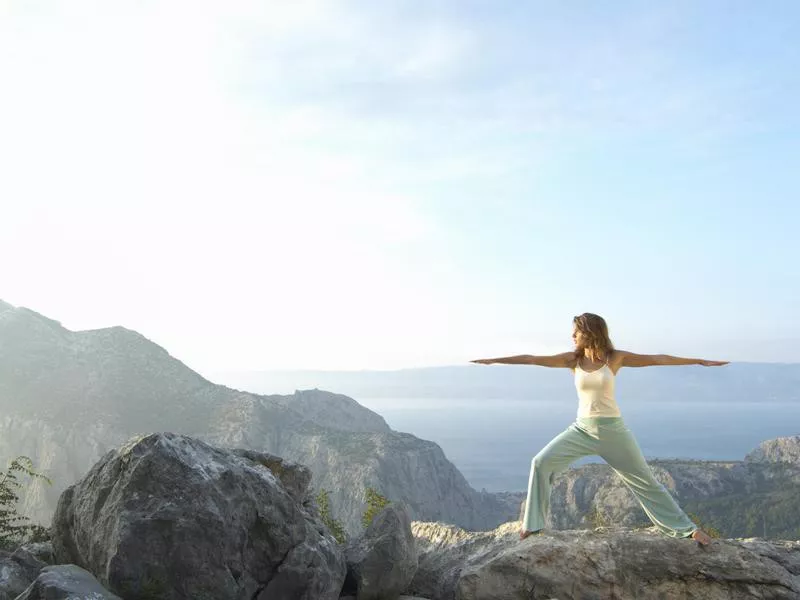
(15, 528)
(334, 526)
(375, 504)
(595, 518)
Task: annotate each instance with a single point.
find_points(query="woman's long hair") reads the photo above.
(597, 345)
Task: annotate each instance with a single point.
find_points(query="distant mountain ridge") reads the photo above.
(67, 397)
(737, 382)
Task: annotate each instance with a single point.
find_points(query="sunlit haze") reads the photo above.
(380, 185)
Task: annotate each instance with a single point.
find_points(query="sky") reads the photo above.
(260, 185)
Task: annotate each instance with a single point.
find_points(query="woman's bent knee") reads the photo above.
(539, 461)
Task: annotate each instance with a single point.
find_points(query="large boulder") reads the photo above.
(383, 561)
(170, 517)
(66, 582)
(599, 565)
(400, 598)
(17, 572)
(42, 551)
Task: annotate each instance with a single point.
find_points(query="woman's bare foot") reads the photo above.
(701, 537)
(524, 534)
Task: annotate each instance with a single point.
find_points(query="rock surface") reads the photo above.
(383, 561)
(399, 598)
(172, 517)
(18, 570)
(66, 582)
(333, 411)
(593, 495)
(779, 450)
(42, 551)
(599, 565)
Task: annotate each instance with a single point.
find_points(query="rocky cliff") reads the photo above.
(759, 495)
(599, 565)
(170, 517)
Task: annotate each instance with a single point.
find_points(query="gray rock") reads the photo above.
(779, 450)
(173, 517)
(294, 477)
(333, 411)
(593, 565)
(383, 561)
(579, 491)
(66, 582)
(400, 598)
(42, 551)
(17, 572)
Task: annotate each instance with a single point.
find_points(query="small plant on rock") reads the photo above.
(375, 504)
(595, 518)
(334, 526)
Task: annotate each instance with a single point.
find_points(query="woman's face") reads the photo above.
(577, 337)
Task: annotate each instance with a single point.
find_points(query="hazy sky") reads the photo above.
(359, 185)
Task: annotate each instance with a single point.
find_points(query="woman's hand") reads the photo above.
(483, 361)
(713, 363)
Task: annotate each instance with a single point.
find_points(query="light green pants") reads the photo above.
(609, 438)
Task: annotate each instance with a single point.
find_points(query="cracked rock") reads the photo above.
(168, 516)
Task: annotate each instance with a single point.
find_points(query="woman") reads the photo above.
(600, 430)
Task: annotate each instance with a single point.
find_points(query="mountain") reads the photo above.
(67, 397)
(737, 382)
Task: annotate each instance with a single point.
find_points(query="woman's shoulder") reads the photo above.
(616, 358)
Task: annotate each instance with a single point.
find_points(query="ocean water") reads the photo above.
(492, 442)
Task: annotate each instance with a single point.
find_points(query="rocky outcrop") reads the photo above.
(294, 477)
(383, 561)
(41, 551)
(592, 495)
(607, 565)
(780, 450)
(66, 582)
(402, 467)
(399, 598)
(333, 411)
(578, 493)
(17, 571)
(172, 517)
(169, 517)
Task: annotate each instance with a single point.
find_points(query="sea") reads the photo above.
(492, 442)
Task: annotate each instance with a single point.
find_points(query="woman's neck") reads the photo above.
(584, 353)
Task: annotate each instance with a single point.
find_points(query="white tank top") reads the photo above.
(596, 392)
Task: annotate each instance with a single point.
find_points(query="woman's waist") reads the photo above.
(599, 420)
(599, 405)
(597, 425)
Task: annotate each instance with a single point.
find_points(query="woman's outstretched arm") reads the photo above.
(631, 359)
(563, 360)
